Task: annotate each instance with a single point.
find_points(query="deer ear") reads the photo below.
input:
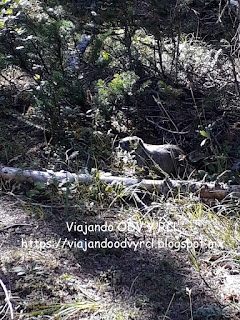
(139, 141)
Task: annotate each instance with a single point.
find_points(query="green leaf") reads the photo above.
(2, 23)
(9, 11)
(36, 76)
(108, 188)
(105, 55)
(205, 134)
(39, 185)
(32, 193)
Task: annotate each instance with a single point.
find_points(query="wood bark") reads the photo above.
(212, 190)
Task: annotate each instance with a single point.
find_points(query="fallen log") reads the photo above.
(213, 190)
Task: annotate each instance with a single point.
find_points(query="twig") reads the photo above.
(159, 103)
(7, 299)
(15, 226)
(169, 305)
(130, 290)
(162, 128)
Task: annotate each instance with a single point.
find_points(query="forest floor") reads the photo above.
(150, 279)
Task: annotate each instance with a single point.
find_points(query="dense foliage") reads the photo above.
(117, 67)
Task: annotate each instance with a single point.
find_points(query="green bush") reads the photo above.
(110, 94)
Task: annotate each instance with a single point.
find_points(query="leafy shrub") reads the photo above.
(40, 44)
(110, 94)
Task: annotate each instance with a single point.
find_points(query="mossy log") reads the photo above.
(212, 190)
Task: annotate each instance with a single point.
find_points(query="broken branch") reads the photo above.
(213, 190)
